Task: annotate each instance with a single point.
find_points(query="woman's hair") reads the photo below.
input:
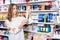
(10, 9)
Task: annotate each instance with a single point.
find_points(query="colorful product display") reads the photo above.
(41, 17)
(44, 18)
(50, 17)
(24, 14)
(36, 37)
(48, 7)
(4, 8)
(46, 28)
(30, 36)
(2, 17)
(35, 7)
(21, 7)
(6, 32)
(4, 38)
(1, 37)
(40, 0)
(58, 30)
(2, 1)
(2, 23)
(41, 7)
(26, 35)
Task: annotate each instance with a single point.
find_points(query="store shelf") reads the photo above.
(3, 4)
(21, 3)
(31, 2)
(21, 11)
(56, 37)
(3, 35)
(2, 20)
(3, 28)
(41, 11)
(38, 11)
(53, 37)
(44, 11)
(43, 22)
(7, 11)
(36, 32)
(3, 11)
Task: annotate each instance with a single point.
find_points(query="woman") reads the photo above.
(15, 24)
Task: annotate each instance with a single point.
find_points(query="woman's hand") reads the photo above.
(23, 23)
(28, 10)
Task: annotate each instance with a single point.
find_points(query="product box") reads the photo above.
(46, 28)
(0, 8)
(19, 7)
(4, 8)
(41, 17)
(23, 7)
(58, 19)
(35, 7)
(1, 37)
(14, 1)
(2, 23)
(5, 38)
(8, 1)
(24, 14)
(1, 1)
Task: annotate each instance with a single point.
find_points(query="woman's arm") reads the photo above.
(22, 24)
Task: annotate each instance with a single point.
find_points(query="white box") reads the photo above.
(58, 19)
(7, 1)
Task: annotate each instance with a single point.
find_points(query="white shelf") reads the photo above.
(31, 2)
(3, 4)
(3, 11)
(2, 20)
(56, 37)
(37, 32)
(43, 33)
(7, 11)
(3, 35)
(44, 11)
(21, 11)
(37, 11)
(43, 22)
(3, 27)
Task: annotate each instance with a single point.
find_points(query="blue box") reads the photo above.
(35, 6)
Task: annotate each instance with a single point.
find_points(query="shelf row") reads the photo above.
(36, 11)
(40, 22)
(3, 35)
(30, 2)
(53, 37)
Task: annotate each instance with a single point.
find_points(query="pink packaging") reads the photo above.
(1, 38)
(30, 35)
(1, 1)
(22, 1)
